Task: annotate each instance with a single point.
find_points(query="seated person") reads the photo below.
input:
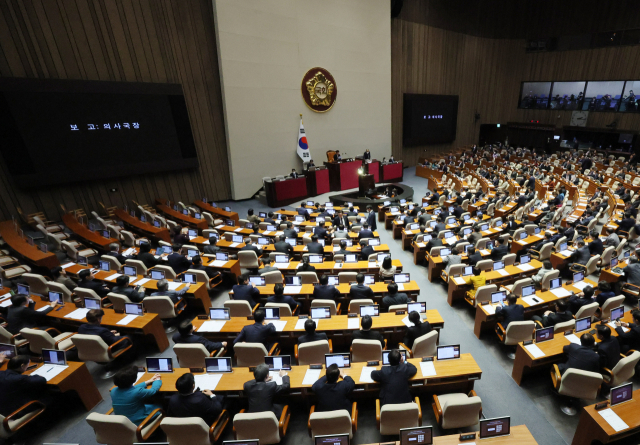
(146, 256)
(114, 251)
(632, 270)
(135, 294)
(575, 302)
(512, 312)
(612, 237)
(331, 393)
(450, 260)
(128, 400)
(387, 269)
(258, 332)
(473, 256)
(305, 266)
(191, 402)
(477, 280)
(365, 232)
(261, 391)
(249, 246)
(325, 291)
(87, 282)
(343, 249)
(186, 335)
(360, 290)
(212, 247)
(94, 327)
(581, 255)
(546, 267)
(279, 297)
(365, 332)
(365, 250)
(595, 247)
(550, 318)
(581, 356)
(17, 389)
(394, 380)
(60, 276)
(605, 292)
(314, 246)
(281, 246)
(196, 264)
(418, 329)
(267, 262)
(501, 249)
(607, 348)
(21, 315)
(311, 334)
(394, 297)
(631, 339)
(163, 290)
(245, 290)
(178, 262)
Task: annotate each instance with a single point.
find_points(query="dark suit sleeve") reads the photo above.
(271, 329)
(240, 337)
(377, 376)
(210, 345)
(348, 385)
(411, 369)
(285, 385)
(318, 383)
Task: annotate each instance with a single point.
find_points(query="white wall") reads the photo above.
(266, 46)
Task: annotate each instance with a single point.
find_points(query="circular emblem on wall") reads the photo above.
(319, 90)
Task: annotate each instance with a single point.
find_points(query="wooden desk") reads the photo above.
(143, 228)
(329, 267)
(92, 239)
(517, 246)
(78, 379)
(593, 428)
(217, 211)
(452, 376)
(25, 250)
(147, 324)
(180, 217)
(520, 435)
(436, 264)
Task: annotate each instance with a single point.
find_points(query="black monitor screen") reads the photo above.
(159, 364)
(422, 435)
(429, 119)
(622, 393)
(49, 128)
(336, 439)
(495, 427)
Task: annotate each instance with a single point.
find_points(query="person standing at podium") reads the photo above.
(337, 157)
(367, 155)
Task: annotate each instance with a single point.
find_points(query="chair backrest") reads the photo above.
(238, 308)
(346, 277)
(509, 259)
(461, 412)
(580, 384)
(518, 285)
(484, 293)
(118, 300)
(588, 310)
(625, 369)
(127, 238)
(518, 331)
(112, 429)
(482, 243)
(87, 293)
(114, 264)
(313, 352)
(58, 287)
(545, 252)
(559, 242)
(324, 423)
(201, 276)
(354, 305)
(308, 277)
(250, 354)
(320, 303)
(565, 325)
(548, 276)
(285, 309)
(161, 305)
(191, 355)
(623, 243)
(592, 264)
(186, 430)
(394, 416)
(91, 348)
(611, 303)
(262, 426)
(425, 346)
(248, 259)
(38, 339)
(37, 283)
(485, 265)
(456, 269)
(365, 350)
(274, 277)
(141, 269)
(169, 273)
(70, 250)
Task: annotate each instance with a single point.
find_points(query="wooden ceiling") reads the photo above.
(524, 19)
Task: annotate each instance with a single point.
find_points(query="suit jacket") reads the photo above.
(556, 317)
(284, 247)
(95, 286)
(288, 299)
(321, 232)
(609, 352)
(104, 333)
(473, 259)
(25, 317)
(498, 252)
(604, 296)
(194, 339)
(474, 237)
(371, 220)
(315, 248)
(630, 339)
(303, 211)
(333, 396)
(434, 242)
(260, 395)
(17, 390)
(326, 292)
(360, 291)
(575, 303)
(268, 269)
(626, 224)
(175, 295)
(253, 248)
(245, 292)
(365, 234)
(394, 382)
(368, 335)
(414, 332)
(195, 404)
(580, 357)
(256, 333)
(129, 292)
(290, 233)
(398, 298)
(317, 336)
(632, 273)
(212, 249)
(366, 251)
(580, 256)
(510, 313)
(179, 263)
(612, 240)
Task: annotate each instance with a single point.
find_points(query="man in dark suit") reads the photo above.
(93, 327)
(179, 263)
(261, 391)
(311, 334)
(632, 271)
(314, 246)
(596, 247)
(114, 251)
(343, 249)
(283, 247)
(631, 339)
(163, 290)
(522, 201)
(575, 302)
(191, 402)
(394, 297)
(258, 332)
(474, 256)
(86, 281)
(433, 242)
(245, 290)
(17, 389)
(365, 232)
(371, 219)
(248, 245)
(340, 218)
(267, 262)
(279, 297)
(146, 256)
(581, 255)
(500, 250)
(212, 248)
(321, 232)
(366, 249)
(475, 236)
(269, 218)
(289, 232)
(302, 210)
(21, 314)
(331, 393)
(418, 329)
(626, 224)
(365, 332)
(512, 312)
(581, 356)
(132, 293)
(394, 379)
(325, 291)
(607, 348)
(186, 335)
(561, 315)
(359, 290)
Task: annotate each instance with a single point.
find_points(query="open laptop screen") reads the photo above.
(335, 439)
(622, 393)
(53, 357)
(500, 426)
(342, 360)
(218, 364)
(420, 435)
(448, 352)
(219, 314)
(159, 364)
(420, 307)
(582, 324)
(278, 362)
(372, 310)
(544, 334)
(8, 350)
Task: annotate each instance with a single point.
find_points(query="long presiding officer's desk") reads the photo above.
(285, 191)
(593, 428)
(143, 228)
(391, 172)
(25, 250)
(75, 378)
(451, 376)
(343, 175)
(337, 328)
(552, 349)
(486, 318)
(89, 237)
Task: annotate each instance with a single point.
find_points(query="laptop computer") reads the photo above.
(272, 313)
(524, 259)
(401, 278)
(343, 360)
(448, 352)
(369, 279)
(334, 439)
(218, 364)
(351, 258)
(157, 274)
(544, 334)
(583, 324)
(320, 312)
(133, 309)
(130, 271)
(278, 362)
(57, 297)
(420, 307)
(257, 280)
(104, 265)
(372, 310)
(219, 314)
(621, 394)
(54, 357)
(159, 364)
(498, 297)
(90, 303)
(315, 259)
(8, 350)
(498, 265)
(189, 278)
(617, 313)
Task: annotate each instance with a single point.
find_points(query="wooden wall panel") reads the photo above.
(160, 41)
(486, 75)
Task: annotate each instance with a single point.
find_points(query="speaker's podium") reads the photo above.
(366, 183)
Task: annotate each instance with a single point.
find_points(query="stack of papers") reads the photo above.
(212, 326)
(142, 281)
(300, 323)
(128, 319)
(234, 244)
(503, 272)
(581, 285)
(6, 303)
(279, 324)
(534, 350)
(365, 375)
(217, 263)
(207, 381)
(68, 265)
(573, 338)
(292, 289)
(353, 323)
(560, 292)
(78, 314)
(239, 229)
(220, 226)
(490, 308)
(276, 377)
(113, 277)
(49, 371)
(138, 377)
(459, 280)
(566, 253)
(613, 419)
(428, 369)
(43, 308)
(525, 267)
(311, 376)
(173, 285)
(406, 322)
(421, 245)
(484, 252)
(129, 251)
